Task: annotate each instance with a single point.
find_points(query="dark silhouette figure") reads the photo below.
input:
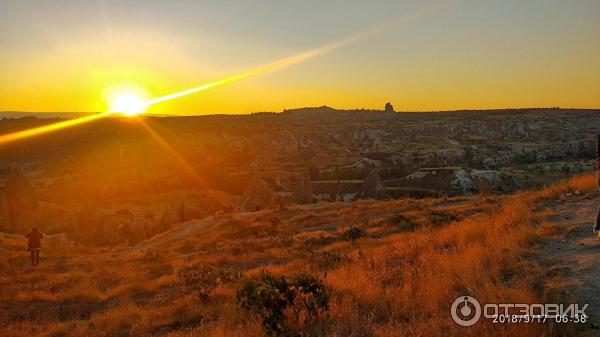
(389, 107)
(597, 224)
(34, 245)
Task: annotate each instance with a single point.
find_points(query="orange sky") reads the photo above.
(460, 55)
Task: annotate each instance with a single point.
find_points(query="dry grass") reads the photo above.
(398, 280)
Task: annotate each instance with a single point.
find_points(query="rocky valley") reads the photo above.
(136, 177)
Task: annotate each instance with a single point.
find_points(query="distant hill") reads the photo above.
(317, 112)
(21, 114)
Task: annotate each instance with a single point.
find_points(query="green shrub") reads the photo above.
(288, 308)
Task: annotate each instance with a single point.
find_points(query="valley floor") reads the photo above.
(394, 268)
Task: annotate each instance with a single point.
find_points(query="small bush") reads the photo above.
(402, 223)
(201, 281)
(438, 218)
(288, 308)
(353, 233)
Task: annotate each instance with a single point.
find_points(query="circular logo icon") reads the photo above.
(465, 311)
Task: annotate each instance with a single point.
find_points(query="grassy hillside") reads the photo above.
(389, 268)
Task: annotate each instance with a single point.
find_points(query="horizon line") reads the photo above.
(301, 108)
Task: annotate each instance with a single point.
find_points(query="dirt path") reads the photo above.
(186, 229)
(573, 259)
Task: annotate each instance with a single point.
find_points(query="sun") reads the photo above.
(128, 104)
(127, 100)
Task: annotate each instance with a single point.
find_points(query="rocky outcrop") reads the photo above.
(389, 107)
(457, 180)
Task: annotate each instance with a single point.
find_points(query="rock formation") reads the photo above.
(389, 107)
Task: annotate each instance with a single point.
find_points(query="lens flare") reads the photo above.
(312, 53)
(133, 101)
(11, 137)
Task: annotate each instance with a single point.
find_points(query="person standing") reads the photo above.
(34, 245)
(597, 224)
